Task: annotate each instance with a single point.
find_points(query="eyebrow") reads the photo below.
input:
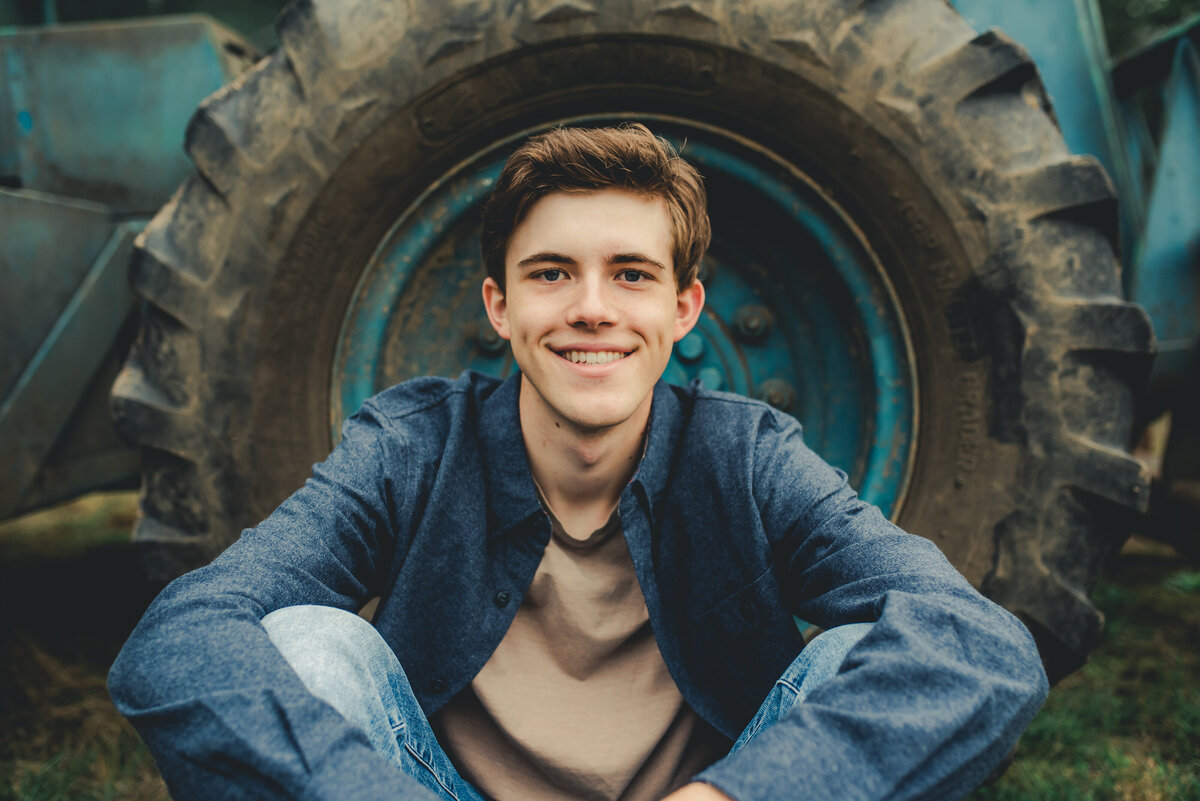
(543, 258)
(636, 258)
(617, 258)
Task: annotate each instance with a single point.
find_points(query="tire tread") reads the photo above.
(970, 105)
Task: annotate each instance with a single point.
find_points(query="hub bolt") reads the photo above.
(752, 323)
(489, 341)
(691, 347)
(778, 393)
(711, 378)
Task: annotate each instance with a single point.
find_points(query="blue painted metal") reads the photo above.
(1167, 261)
(47, 246)
(1066, 40)
(831, 335)
(837, 317)
(1140, 156)
(691, 347)
(91, 117)
(98, 111)
(37, 408)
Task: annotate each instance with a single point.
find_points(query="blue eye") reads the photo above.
(633, 276)
(551, 275)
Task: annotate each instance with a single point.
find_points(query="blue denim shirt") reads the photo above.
(734, 526)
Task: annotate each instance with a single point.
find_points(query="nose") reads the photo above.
(592, 304)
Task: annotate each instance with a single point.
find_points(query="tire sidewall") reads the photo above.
(894, 185)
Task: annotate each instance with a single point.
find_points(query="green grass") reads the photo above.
(71, 529)
(70, 591)
(1126, 727)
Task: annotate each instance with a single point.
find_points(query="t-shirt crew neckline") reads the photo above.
(593, 540)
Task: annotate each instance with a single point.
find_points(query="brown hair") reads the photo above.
(588, 159)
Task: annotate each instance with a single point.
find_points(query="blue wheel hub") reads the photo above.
(800, 312)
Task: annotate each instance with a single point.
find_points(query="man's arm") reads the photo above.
(223, 713)
(929, 701)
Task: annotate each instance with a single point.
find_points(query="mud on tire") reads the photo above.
(940, 141)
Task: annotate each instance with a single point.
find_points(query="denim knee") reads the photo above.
(318, 623)
(339, 656)
(817, 663)
(823, 657)
(318, 637)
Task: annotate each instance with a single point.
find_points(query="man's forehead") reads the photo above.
(612, 226)
(624, 216)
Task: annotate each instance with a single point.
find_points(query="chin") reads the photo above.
(594, 422)
(596, 417)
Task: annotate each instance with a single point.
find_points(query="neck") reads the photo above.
(581, 472)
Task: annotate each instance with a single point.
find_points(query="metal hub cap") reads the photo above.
(800, 312)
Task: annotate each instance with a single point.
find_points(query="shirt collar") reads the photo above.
(512, 497)
(666, 415)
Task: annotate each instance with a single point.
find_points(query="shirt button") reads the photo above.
(437, 686)
(502, 598)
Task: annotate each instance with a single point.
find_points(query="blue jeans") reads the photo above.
(343, 660)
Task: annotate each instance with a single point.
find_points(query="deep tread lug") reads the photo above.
(451, 44)
(303, 42)
(905, 113)
(986, 61)
(687, 11)
(1106, 473)
(558, 11)
(142, 411)
(1024, 583)
(188, 232)
(1113, 326)
(359, 34)
(210, 148)
(150, 529)
(805, 44)
(1077, 189)
(172, 290)
(353, 111)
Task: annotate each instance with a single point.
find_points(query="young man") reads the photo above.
(587, 577)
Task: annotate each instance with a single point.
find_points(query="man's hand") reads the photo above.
(697, 791)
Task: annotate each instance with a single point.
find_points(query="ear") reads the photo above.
(496, 306)
(688, 305)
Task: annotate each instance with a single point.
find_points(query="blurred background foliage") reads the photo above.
(1129, 24)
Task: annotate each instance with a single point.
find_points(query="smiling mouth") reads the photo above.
(591, 357)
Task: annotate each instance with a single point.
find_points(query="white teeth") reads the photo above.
(592, 357)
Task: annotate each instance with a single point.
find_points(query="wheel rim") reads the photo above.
(800, 311)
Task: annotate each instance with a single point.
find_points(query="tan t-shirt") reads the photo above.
(576, 702)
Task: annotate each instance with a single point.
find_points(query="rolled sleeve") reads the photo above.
(925, 705)
(221, 710)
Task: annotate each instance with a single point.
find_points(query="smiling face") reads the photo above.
(591, 306)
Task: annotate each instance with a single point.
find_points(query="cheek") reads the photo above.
(526, 327)
(668, 324)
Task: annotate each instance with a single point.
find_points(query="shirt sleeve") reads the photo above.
(221, 710)
(925, 705)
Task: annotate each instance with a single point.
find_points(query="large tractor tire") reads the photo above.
(905, 256)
